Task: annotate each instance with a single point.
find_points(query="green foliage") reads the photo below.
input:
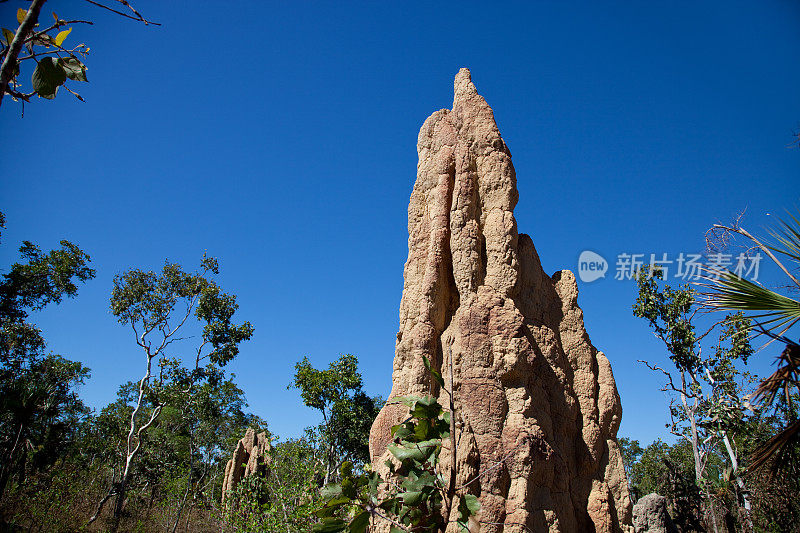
(41, 280)
(648, 469)
(668, 471)
(667, 310)
(47, 77)
(39, 408)
(55, 61)
(775, 312)
(776, 491)
(413, 496)
(346, 409)
(711, 384)
(322, 388)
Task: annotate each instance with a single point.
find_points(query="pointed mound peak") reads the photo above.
(463, 86)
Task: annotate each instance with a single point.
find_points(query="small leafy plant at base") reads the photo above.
(414, 495)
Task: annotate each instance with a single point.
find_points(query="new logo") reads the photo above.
(591, 266)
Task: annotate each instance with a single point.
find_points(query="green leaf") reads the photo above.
(411, 497)
(408, 401)
(47, 76)
(403, 454)
(468, 506)
(418, 451)
(389, 505)
(437, 376)
(327, 511)
(330, 491)
(360, 522)
(401, 431)
(472, 503)
(348, 488)
(374, 479)
(73, 68)
(337, 502)
(330, 525)
(426, 480)
(21, 13)
(428, 401)
(421, 431)
(421, 410)
(740, 294)
(61, 36)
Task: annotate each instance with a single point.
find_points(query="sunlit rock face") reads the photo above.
(530, 388)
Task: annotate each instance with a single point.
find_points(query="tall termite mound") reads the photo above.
(531, 391)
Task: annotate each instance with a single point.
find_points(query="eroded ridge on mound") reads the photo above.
(528, 383)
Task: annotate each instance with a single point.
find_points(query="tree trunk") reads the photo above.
(739, 480)
(120, 501)
(698, 462)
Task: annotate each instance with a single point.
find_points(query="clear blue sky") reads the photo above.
(280, 137)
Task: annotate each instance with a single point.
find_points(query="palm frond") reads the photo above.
(778, 451)
(786, 376)
(773, 314)
(787, 238)
(733, 293)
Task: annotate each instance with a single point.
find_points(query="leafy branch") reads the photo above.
(55, 64)
(415, 496)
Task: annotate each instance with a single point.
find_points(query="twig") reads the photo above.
(500, 462)
(138, 18)
(520, 524)
(73, 93)
(670, 384)
(763, 247)
(55, 26)
(111, 492)
(374, 511)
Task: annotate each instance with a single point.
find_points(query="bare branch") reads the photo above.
(111, 492)
(138, 17)
(670, 384)
(55, 26)
(711, 328)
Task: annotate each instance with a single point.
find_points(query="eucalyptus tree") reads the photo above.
(708, 402)
(161, 309)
